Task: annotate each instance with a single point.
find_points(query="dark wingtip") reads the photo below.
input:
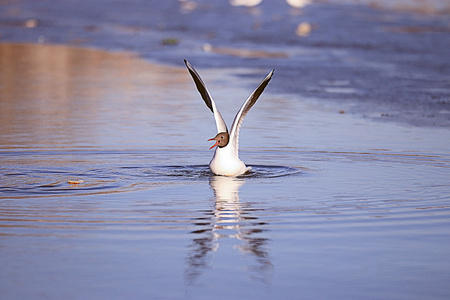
(201, 87)
(188, 64)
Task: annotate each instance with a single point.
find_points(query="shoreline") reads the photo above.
(383, 65)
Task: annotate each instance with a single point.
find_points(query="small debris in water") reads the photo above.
(303, 29)
(30, 23)
(75, 181)
(170, 41)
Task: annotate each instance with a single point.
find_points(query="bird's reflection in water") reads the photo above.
(229, 219)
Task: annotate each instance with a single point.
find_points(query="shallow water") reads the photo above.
(336, 207)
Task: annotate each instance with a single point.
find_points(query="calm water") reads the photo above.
(337, 207)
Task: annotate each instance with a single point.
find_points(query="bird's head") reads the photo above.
(221, 139)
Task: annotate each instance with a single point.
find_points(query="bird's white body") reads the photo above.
(226, 156)
(226, 162)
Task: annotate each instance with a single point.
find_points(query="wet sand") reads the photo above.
(387, 61)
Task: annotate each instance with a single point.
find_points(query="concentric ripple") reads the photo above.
(28, 174)
(191, 172)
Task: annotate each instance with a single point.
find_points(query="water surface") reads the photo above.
(336, 207)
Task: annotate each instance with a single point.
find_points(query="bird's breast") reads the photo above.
(226, 162)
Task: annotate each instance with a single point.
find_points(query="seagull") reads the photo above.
(226, 156)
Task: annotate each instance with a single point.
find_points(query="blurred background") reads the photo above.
(387, 60)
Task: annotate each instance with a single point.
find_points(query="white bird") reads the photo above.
(226, 157)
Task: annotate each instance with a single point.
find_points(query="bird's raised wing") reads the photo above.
(201, 87)
(251, 100)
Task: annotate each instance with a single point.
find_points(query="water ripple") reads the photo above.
(27, 174)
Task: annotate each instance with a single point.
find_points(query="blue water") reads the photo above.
(336, 207)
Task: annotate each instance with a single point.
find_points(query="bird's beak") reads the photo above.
(217, 143)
